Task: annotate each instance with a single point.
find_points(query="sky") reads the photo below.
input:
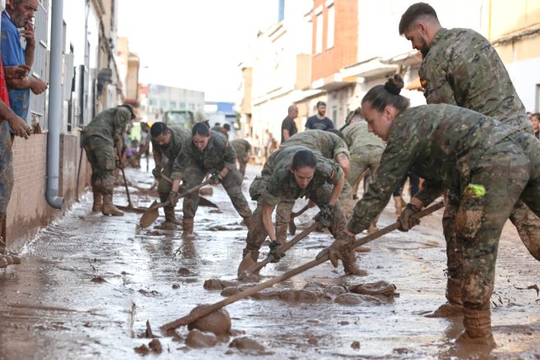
(194, 44)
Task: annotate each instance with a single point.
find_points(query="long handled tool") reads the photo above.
(152, 213)
(203, 311)
(202, 200)
(130, 206)
(292, 225)
(248, 267)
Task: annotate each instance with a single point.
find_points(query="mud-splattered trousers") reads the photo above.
(6, 166)
(102, 157)
(478, 81)
(194, 175)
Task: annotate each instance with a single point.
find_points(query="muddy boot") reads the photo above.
(171, 221)
(399, 204)
(97, 202)
(108, 207)
(247, 221)
(187, 226)
(477, 328)
(350, 266)
(15, 257)
(454, 306)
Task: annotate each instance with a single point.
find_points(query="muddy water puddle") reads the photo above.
(89, 284)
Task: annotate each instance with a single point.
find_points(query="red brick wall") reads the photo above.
(345, 49)
(28, 210)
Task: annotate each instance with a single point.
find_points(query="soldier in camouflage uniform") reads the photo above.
(243, 153)
(207, 152)
(461, 67)
(166, 144)
(291, 173)
(487, 164)
(330, 145)
(102, 141)
(366, 150)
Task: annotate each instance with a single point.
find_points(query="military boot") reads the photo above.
(350, 266)
(108, 207)
(454, 306)
(187, 226)
(98, 203)
(170, 219)
(477, 328)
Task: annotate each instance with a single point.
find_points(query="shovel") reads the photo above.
(152, 213)
(292, 225)
(130, 206)
(203, 311)
(248, 267)
(202, 201)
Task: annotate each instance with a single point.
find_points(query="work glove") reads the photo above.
(216, 178)
(157, 172)
(274, 246)
(407, 220)
(325, 216)
(173, 198)
(338, 250)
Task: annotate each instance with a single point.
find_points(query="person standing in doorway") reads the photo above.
(319, 121)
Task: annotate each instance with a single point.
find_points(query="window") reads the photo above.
(319, 34)
(163, 104)
(173, 105)
(331, 27)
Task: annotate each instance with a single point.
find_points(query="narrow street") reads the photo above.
(88, 285)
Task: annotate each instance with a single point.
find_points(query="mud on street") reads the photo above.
(89, 284)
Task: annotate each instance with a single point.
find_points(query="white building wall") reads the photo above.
(526, 78)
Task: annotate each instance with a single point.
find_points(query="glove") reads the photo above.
(325, 216)
(120, 164)
(157, 172)
(216, 178)
(406, 219)
(173, 197)
(274, 246)
(338, 250)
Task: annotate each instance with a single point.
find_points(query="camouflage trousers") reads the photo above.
(257, 233)
(473, 224)
(6, 166)
(368, 159)
(102, 157)
(164, 187)
(194, 175)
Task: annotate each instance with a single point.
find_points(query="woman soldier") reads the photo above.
(291, 173)
(487, 165)
(207, 152)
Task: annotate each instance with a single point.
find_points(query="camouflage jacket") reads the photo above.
(109, 124)
(358, 137)
(280, 180)
(242, 148)
(179, 136)
(440, 143)
(323, 142)
(217, 155)
(463, 68)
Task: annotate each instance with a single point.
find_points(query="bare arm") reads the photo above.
(336, 191)
(285, 133)
(343, 162)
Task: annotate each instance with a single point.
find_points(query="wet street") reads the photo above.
(89, 284)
